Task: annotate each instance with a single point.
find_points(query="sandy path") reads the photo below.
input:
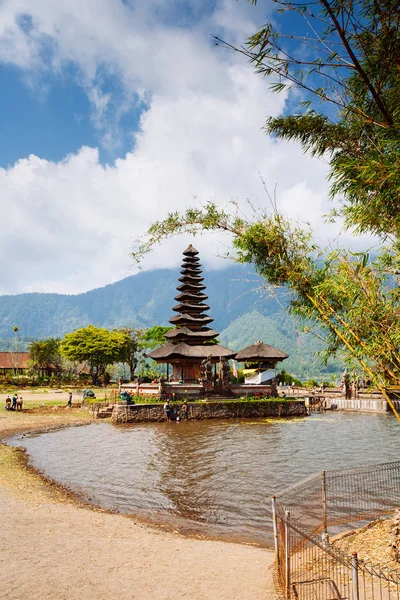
(52, 548)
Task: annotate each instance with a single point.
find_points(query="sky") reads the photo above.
(114, 113)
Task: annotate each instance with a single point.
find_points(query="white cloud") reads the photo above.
(69, 226)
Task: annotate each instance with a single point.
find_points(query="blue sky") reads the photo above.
(50, 124)
(113, 113)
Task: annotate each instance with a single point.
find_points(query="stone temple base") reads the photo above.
(231, 409)
(191, 390)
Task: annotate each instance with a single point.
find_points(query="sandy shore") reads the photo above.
(54, 548)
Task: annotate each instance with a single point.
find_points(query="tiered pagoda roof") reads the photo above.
(191, 338)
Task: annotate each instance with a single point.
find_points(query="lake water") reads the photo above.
(209, 477)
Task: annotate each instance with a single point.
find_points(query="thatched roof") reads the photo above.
(190, 270)
(186, 306)
(203, 333)
(170, 351)
(193, 279)
(186, 319)
(194, 287)
(191, 320)
(190, 251)
(260, 351)
(188, 296)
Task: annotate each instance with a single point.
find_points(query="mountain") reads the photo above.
(242, 309)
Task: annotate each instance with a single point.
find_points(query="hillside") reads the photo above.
(242, 313)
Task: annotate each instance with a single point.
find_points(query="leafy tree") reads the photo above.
(138, 342)
(345, 61)
(153, 337)
(95, 346)
(45, 356)
(132, 349)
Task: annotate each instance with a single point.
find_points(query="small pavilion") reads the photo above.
(191, 343)
(260, 360)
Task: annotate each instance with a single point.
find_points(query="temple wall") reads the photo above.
(191, 390)
(140, 413)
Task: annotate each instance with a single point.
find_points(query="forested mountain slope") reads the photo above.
(242, 312)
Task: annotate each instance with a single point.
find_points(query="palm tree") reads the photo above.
(16, 348)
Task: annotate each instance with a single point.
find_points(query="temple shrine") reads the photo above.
(191, 347)
(197, 366)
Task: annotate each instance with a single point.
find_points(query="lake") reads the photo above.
(211, 478)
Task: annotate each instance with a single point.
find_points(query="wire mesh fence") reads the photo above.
(309, 516)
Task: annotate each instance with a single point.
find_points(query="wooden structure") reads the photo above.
(14, 363)
(262, 359)
(191, 347)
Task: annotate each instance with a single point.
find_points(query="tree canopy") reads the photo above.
(132, 350)
(154, 337)
(95, 346)
(345, 61)
(45, 356)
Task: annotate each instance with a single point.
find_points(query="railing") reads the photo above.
(311, 565)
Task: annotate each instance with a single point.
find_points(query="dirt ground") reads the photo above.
(52, 547)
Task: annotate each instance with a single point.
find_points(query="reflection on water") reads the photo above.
(214, 477)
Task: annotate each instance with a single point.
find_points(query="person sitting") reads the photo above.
(19, 403)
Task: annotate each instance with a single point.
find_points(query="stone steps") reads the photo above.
(104, 413)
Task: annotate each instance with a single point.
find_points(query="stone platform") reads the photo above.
(229, 409)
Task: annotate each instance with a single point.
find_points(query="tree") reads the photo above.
(345, 61)
(140, 341)
(153, 337)
(132, 350)
(45, 356)
(96, 346)
(16, 349)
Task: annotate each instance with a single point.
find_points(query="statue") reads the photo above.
(346, 387)
(225, 376)
(206, 376)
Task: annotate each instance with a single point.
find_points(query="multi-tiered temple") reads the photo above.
(191, 341)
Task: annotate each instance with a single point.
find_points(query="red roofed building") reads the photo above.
(14, 362)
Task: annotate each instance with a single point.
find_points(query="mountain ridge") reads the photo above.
(241, 312)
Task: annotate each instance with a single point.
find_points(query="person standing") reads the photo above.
(167, 410)
(69, 403)
(14, 402)
(185, 411)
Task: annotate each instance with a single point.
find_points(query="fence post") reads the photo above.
(354, 576)
(324, 514)
(287, 555)
(275, 523)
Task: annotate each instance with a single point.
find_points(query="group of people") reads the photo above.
(14, 403)
(171, 414)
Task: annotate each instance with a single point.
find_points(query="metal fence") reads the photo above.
(307, 518)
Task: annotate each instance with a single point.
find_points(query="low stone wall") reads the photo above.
(360, 404)
(366, 401)
(191, 391)
(141, 413)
